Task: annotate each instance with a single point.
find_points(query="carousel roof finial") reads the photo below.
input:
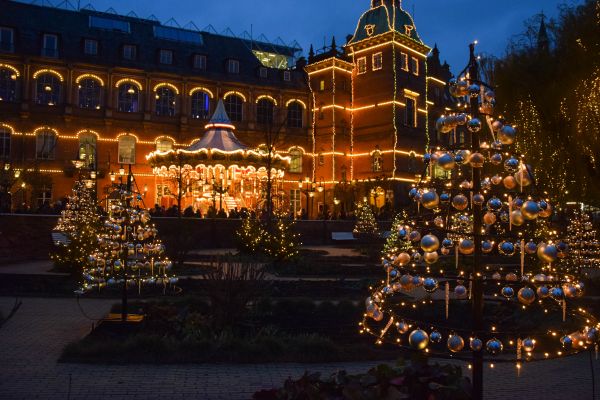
(220, 119)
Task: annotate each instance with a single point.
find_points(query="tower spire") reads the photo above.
(543, 40)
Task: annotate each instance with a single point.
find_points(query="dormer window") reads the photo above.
(129, 52)
(199, 61)
(233, 66)
(287, 76)
(166, 57)
(263, 72)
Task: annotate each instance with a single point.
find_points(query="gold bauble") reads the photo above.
(510, 182)
(489, 218)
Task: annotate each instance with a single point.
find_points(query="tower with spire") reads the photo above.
(543, 40)
(374, 104)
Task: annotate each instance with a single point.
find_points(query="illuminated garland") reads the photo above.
(333, 130)
(394, 111)
(314, 127)
(352, 120)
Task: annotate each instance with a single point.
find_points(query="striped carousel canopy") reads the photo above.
(219, 134)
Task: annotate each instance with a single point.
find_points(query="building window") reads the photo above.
(166, 57)
(233, 66)
(128, 98)
(200, 105)
(263, 72)
(377, 161)
(50, 45)
(404, 61)
(264, 111)
(362, 65)
(296, 161)
(415, 65)
(44, 195)
(295, 115)
(90, 93)
(87, 150)
(8, 85)
(322, 86)
(165, 101)
(90, 47)
(5, 143)
(410, 112)
(45, 144)
(287, 76)
(199, 61)
(126, 149)
(164, 145)
(321, 158)
(295, 206)
(129, 52)
(47, 89)
(234, 106)
(377, 61)
(7, 39)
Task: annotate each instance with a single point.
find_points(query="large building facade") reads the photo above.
(107, 90)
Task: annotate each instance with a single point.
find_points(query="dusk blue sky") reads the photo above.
(452, 24)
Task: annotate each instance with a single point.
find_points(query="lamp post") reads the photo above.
(308, 192)
(321, 189)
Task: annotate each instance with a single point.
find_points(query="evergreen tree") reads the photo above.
(396, 243)
(366, 225)
(583, 243)
(128, 250)
(279, 241)
(77, 230)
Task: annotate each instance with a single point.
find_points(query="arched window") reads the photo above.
(8, 85)
(264, 111)
(87, 150)
(90, 93)
(128, 98)
(201, 105)
(5, 142)
(127, 149)
(47, 89)
(233, 106)
(377, 161)
(295, 115)
(45, 144)
(296, 161)
(164, 145)
(165, 101)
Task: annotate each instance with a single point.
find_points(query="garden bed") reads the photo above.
(183, 331)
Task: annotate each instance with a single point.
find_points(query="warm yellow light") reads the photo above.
(48, 71)
(15, 71)
(165, 84)
(202, 89)
(89, 76)
(129, 80)
(234, 92)
(266, 96)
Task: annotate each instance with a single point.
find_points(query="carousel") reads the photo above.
(216, 171)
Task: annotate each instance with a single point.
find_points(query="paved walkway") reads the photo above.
(31, 342)
(41, 267)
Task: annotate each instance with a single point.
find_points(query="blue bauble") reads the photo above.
(430, 285)
(394, 273)
(528, 344)
(416, 280)
(494, 204)
(487, 246)
(531, 247)
(427, 158)
(556, 293)
(562, 246)
(444, 197)
(418, 339)
(508, 292)
(526, 295)
(460, 291)
(476, 344)
(474, 125)
(413, 193)
(494, 346)
(543, 292)
(435, 337)
(567, 342)
(447, 243)
(511, 165)
(507, 248)
(446, 161)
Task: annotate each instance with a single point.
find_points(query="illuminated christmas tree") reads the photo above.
(583, 244)
(501, 295)
(77, 229)
(277, 241)
(129, 253)
(396, 242)
(366, 225)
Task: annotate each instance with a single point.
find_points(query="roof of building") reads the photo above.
(379, 19)
(112, 31)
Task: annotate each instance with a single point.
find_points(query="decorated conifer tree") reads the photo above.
(366, 225)
(129, 253)
(76, 231)
(583, 242)
(395, 244)
(503, 296)
(277, 241)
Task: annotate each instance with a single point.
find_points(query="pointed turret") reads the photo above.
(219, 133)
